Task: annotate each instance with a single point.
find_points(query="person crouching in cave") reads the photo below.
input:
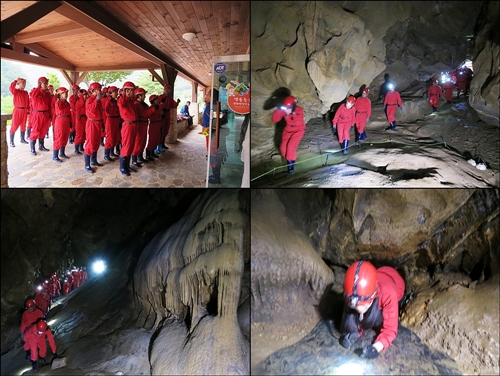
(35, 337)
(433, 94)
(392, 99)
(293, 131)
(372, 297)
(30, 316)
(343, 121)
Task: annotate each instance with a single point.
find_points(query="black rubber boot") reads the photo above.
(134, 161)
(71, 137)
(28, 355)
(28, 133)
(23, 141)
(102, 141)
(86, 158)
(41, 145)
(112, 153)
(118, 149)
(82, 149)
(93, 160)
(123, 166)
(141, 159)
(11, 143)
(215, 177)
(32, 147)
(290, 167)
(129, 167)
(346, 144)
(77, 149)
(34, 365)
(55, 155)
(107, 155)
(43, 361)
(148, 156)
(61, 152)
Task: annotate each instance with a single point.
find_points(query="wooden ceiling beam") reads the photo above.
(9, 54)
(39, 50)
(56, 32)
(122, 67)
(21, 20)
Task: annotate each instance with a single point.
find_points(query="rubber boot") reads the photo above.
(55, 155)
(118, 149)
(77, 149)
(141, 159)
(43, 361)
(134, 161)
(32, 147)
(28, 354)
(160, 149)
(61, 152)
(130, 168)
(11, 143)
(28, 133)
(86, 158)
(107, 155)
(93, 160)
(23, 141)
(215, 177)
(82, 148)
(290, 167)
(112, 153)
(434, 109)
(363, 136)
(47, 135)
(34, 365)
(149, 158)
(71, 137)
(154, 155)
(41, 145)
(165, 147)
(393, 126)
(102, 141)
(123, 166)
(345, 145)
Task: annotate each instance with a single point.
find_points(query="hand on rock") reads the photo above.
(370, 352)
(348, 339)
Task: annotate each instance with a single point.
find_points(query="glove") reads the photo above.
(178, 101)
(385, 106)
(400, 107)
(367, 120)
(348, 339)
(370, 352)
(55, 355)
(334, 129)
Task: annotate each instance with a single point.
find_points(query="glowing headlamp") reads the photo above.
(391, 86)
(99, 266)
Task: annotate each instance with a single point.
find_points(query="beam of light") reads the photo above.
(51, 322)
(99, 266)
(39, 288)
(349, 368)
(26, 369)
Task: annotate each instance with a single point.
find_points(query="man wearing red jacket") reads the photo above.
(61, 124)
(76, 278)
(372, 301)
(143, 112)
(391, 102)
(41, 101)
(21, 106)
(80, 121)
(434, 93)
(154, 129)
(343, 121)
(167, 102)
(448, 88)
(42, 300)
(128, 113)
(363, 108)
(72, 103)
(461, 82)
(36, 342)
(31, 315)
(94, 126)
(112, 124)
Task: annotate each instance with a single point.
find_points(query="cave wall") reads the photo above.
(188, 287)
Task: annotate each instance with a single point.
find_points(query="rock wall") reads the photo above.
(188, 284)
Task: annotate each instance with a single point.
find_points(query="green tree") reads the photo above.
(53, 80)
(105, 78)
(7, 105)
(152, 87)
(10, 72)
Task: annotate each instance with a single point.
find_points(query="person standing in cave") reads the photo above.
(384, 88)
(433, 94)
(36, 342)
(31, 315)
(293, 131)
(448, 88)
(371, 302)
(392, 99)
(363, 108)
(343, 121)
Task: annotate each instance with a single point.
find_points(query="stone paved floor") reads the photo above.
(184, 165)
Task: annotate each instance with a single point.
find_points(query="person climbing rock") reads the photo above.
(36, 342)
(371, 302)
(294, 129)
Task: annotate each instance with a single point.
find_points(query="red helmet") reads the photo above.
(104, 89)
(75, 87)
(435, 81)
(43, 79)
(41, 326)
(128, 85)
(152, 97)
(95, 85)
(289, 101)
(83, 92)
(166, 86)
(112, 88)
(50, 86)
(366, 90)
(30, 303)
(140, 90)
(351, 100)
(360, 283)
(58, 91)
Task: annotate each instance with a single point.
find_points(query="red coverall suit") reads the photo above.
(155, 122)
(66, 287)
(112, 123)
(167, 102)
(81, 121)
(129, 126)
(36, 342)
(461, 82)
(434, 93)
(143, 112)
(392, 101)
(72, 105)
(29, 318)
(76, 279)
(21, 106)
(41, 101)
(104, 101)
(448, 88)
(42, 301)
(62, 113)
(94, 125)
(53, 99)
(363, 108)
(344, 118)
(292, 133)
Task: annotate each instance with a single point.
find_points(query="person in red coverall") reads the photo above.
(434, 93)
(36, 342)
(372, 302)
(62, 123)
(293, 131)
(167, 102)
(66, 287)
(21, 106)
(72, 103)
(461, 82)
(155, 121)
(29, 316)
(81, 121)
(143, 112)
(363, 108)
(448, 88)
(128, 113)
(112, 125)
(76, 278)
(42, 300)
(56, 285)
(41, 101)
(391, 101)
(94, 126)
(52, 104)
(343, 121)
